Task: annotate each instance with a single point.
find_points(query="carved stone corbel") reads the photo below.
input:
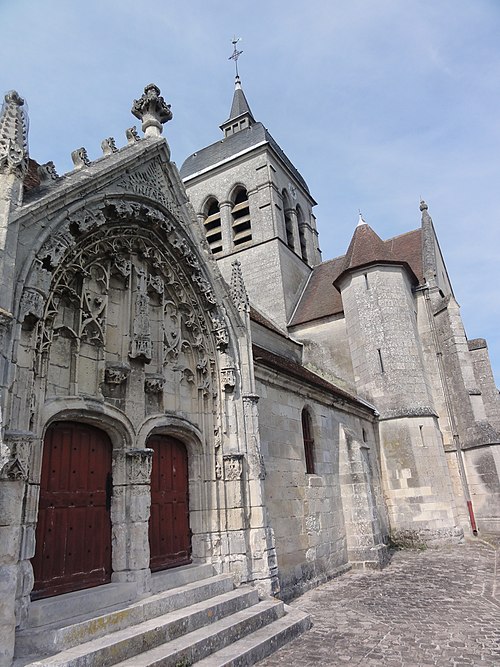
(31, 307)
(139, 464)
(5, 323)
(18, 445)
(154, 384)
(233, 467)
(115, 375)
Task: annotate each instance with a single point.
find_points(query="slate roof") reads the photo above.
(296, 370)
(232, 145)
(239, 106)
(322, 299)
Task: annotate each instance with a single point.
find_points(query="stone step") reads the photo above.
(52, 610)
(199, 644)
(162, 630)
(179, 576)
(52, 638)
(261, 643)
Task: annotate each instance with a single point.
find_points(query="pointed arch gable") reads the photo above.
(175, 297)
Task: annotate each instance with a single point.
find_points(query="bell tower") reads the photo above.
(255, 206)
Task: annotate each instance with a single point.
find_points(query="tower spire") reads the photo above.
(240, 116)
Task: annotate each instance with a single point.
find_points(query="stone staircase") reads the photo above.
(193, 616)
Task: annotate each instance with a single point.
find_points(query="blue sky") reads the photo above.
(377, 103)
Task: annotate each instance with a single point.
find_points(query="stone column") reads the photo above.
(13, 477)
(226, 222)
(130, 509)
(234, 496)
(262, 548)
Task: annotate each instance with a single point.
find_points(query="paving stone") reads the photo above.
(436, 607)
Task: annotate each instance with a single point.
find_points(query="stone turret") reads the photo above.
(380, 310)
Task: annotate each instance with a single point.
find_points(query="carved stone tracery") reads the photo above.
(160, 279)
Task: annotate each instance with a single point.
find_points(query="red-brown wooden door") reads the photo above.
(73, 534)
(169, 533)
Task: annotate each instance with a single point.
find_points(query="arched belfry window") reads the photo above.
(242, 229)
(288, 221)
(307, 435)
(302, 235)
(213, 228)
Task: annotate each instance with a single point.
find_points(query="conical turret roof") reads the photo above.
(367, 248)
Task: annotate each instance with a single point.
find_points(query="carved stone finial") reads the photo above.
(80, 158)
(423, 205)
(131, 134)
(47, 172)
(152, 110)
(108, 146)
(13, 135)
(238, 290)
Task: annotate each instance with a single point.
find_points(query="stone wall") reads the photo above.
(319, 520)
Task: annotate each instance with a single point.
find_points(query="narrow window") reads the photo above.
(364, 434)
(242, 229)
(307, 436)
(380, 361)
(213, 229)
(289, 230)
(421, 428)
(302, 234)
(367, 286)
(288, 221)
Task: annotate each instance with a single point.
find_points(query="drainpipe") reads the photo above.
(449, 408)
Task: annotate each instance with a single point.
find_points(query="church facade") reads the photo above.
(184, 380)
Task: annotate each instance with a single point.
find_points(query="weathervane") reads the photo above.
(235, 54)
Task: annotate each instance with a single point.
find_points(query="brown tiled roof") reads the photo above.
(294, 369)
(408, 248)
(32, 179)
(321, 299)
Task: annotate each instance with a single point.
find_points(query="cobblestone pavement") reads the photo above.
(434, 607)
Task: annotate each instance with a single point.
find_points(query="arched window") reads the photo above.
(242, 230)
(213, 229)
(307, 436)
(288, 221)
(302, 235)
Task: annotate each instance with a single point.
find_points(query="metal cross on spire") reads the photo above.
(235, 54)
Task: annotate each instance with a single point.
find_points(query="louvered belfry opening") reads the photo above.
(213, 227)
(242, 229)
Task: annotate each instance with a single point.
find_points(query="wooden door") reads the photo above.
(169, 533)
(73, 534)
